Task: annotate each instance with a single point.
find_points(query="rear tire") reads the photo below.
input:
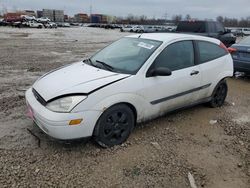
(114, 126)
(219, 95)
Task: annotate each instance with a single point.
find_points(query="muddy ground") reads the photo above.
(159, 153)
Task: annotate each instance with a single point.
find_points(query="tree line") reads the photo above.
(226, 21)
(234, 22)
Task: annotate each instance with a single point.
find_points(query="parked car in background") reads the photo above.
(135, 79)
(243, 31)
(236, 32)
(43, 19)
(148, 29)
(28, 18)
(117, 26)
(33, 24)
(154, 29)
(160, 28)
(137, 28)
(50, 25)
(109, 26)
(241, 56)
(171, 28)
(18, 24)
(75, 24)
(2, 22)
(207, 28)
(63, 24)
(127, 28)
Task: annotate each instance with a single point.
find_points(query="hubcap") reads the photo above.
(116, 126)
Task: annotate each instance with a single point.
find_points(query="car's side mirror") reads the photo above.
(160, 71)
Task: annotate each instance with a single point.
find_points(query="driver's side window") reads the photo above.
(176, 56)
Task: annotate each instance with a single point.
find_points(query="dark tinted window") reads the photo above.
(212, 28)
(176, 56)
(219, 27)
(192, 26)
(246, 29)
(209, 51)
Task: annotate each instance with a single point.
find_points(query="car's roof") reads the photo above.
(167, 37)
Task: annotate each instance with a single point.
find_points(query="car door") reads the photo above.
(179, 89)
(212, 58)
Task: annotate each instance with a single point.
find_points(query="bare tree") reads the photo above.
(220, 19)
(3, 9)
(165, 16)
(188, 17)
(143, 18)
(177, 18)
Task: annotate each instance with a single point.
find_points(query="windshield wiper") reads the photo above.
(109, 67)
(88, 61)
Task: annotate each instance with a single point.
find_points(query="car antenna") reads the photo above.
(140, 36)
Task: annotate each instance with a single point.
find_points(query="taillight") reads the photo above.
(232, 50)
(224, 47)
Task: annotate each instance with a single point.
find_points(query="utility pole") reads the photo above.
(90, 8)
(165, 16)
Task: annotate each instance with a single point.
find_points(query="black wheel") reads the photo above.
(114, 126)
(219, 95)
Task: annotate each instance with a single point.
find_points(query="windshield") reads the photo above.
(126, 55)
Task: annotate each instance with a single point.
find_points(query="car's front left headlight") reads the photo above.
(65, 104)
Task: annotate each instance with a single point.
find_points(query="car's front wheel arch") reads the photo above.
(131, 106)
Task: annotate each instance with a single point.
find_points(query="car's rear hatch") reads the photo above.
(242, 53)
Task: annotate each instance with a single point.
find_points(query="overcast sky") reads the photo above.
(151, 8)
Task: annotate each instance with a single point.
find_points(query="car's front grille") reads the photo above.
(39, 97)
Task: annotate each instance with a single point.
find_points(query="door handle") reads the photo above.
(194, 72)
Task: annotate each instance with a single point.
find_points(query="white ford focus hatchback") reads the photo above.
(135, 79)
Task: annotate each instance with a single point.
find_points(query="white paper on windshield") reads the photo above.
(145, 45)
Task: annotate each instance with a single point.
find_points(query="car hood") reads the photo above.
(78, 78)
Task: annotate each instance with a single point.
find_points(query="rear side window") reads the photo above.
(211, 26)
(209, 51)
(176, 56)
(194, 27)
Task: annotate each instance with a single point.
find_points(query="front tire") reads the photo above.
(114, 126)
(219, 95)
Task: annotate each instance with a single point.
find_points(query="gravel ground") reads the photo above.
(159, 153)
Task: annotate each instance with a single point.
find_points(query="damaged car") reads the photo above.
(135, 79)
